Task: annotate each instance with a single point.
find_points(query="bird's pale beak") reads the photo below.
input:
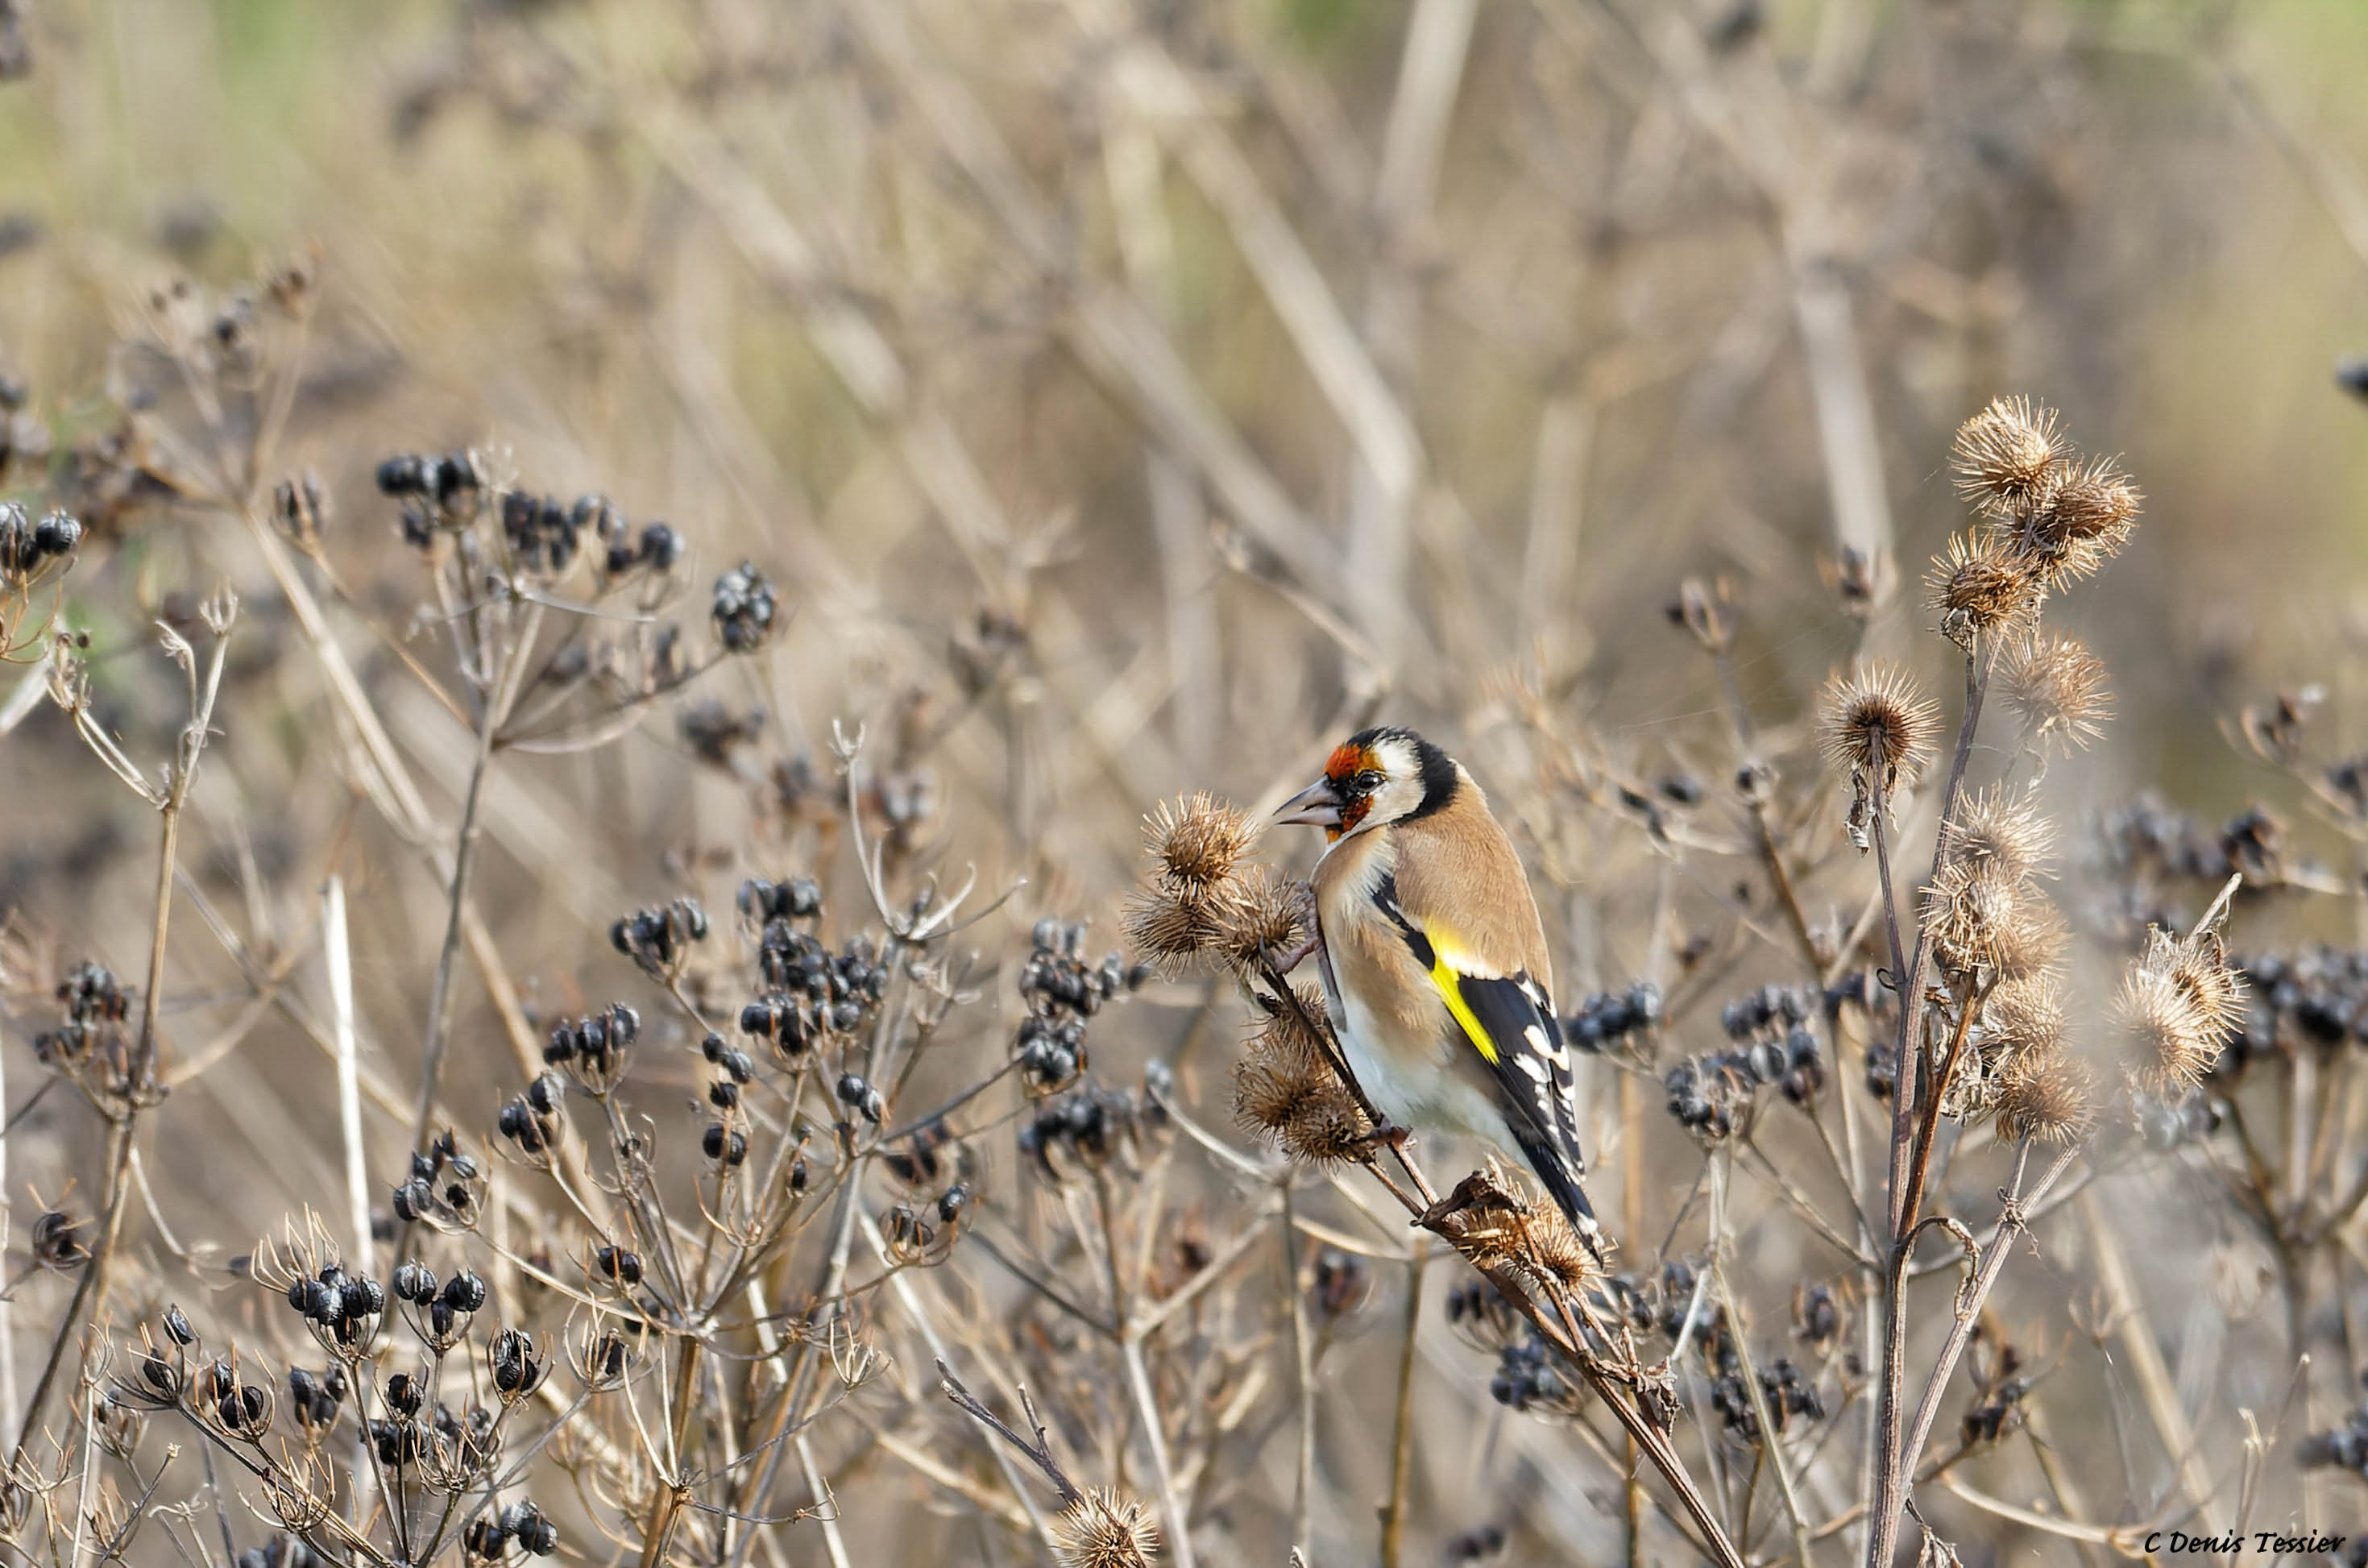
(1316, 806)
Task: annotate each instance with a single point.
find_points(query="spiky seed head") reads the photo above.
(1875, 720)
(1982, 586)
(1197, 840)
(1258, 913)
(2005, 456)
(2034, 941)
(2079, 523)
(2167, 1041)
(1969, 911)
(1169, 928)
(2048, 1097)
(1105, 1529)
(2023, 1018)
(2198, 966)
(2003, 828)
(2056, 687)
(1286, 1089)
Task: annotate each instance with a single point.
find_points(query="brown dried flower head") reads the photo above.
(2167, 1041)
(2058, 688)
(1256, 913)
(2034, 942)
(2198, 967)
(1105, 1529)
(1197, 840)
(2080, 523)
(1981, 585)
(2023, 1018)
(2005, 456)
(1286, 1089)
(2048, 1097)
(1170, 930)
(1875, 721)
(2003, 828)
(1971, 912)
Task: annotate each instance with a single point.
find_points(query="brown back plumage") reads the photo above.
(1457, 871)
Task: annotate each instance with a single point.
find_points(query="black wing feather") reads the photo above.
(1519, 1038)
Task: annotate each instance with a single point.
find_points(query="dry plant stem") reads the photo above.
(2012, 1224)
(1394, 1512)
(1771, 1437)
(2157, 1389)
(1171, 1501)
(1906, 1186)
(1302, 1359)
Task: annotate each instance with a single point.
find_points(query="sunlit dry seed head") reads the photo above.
(1170, 930)
(2167, 1041)
(2003, 828)
(2058, 688)
(2034, 941)
(1555, 1249)
(2023, 1018)
(1981, 585)
(1198, 841)
(1876, 721)
(1286, 1089)
(2005, 456)
(1970, 912)
(2079, 523)
(1105, 1529)
(1256, 913)
(2198, 967)
(2048, 1097)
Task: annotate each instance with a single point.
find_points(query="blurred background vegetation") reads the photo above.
(1131, 397)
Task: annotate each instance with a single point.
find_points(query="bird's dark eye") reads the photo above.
(1370, 780)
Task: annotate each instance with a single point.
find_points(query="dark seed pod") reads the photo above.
(464, 1292)
(177, 1326)
(414, 1282)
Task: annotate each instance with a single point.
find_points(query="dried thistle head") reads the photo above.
(1875, 721)
(1255, 913)
(1198, 841)
(2081, 522)
(1286, 1089)
(2048, 1096)
(2034, 942)
(1105, 1529)
(2023, 1017)
(1170, 931)
(2167, 1041)
(2003, 829)
(2056, 687)
(2005, 456)
(1971, 913)
(1982, 586)
(2198, 967)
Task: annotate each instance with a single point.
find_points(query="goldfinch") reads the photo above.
(1434, 960)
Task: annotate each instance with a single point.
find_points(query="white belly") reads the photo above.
(1429, 1098)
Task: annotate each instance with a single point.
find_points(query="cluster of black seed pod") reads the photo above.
(1530, 1379)
(1655, 1303)
(921, 1233)
(27, 546)
(658, 939)
(725, 1145)
(242, 1410)
(281, 1551)
(926, 1156)
(1478, 1311)
(313, 1398)
(342, 1307)
(619, 1267)
(743, 609)
(1087, 1127)
(1997, 1407)
(1608, 1018)
(448, 487)
(59, 1240)
(445, 1186)
(90, 1044)
(861, 1096)
(737, 1067)
(516, 1364)
(593, 1049)
(1712, 1097)
(530, 1120)
(1785, 1390)
(2147, 839)
(1776, 1044)
(542, 534)
(440, 1307)
(2317, 996)
(489, 1535)
(1062, 989)
(811, 991)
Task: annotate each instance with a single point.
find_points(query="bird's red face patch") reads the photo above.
(1347, 769)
